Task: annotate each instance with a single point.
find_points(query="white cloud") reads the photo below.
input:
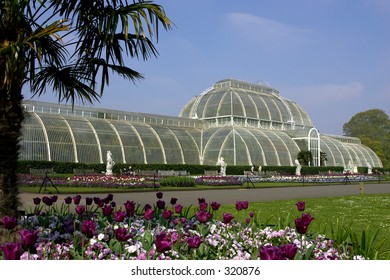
(265, 30)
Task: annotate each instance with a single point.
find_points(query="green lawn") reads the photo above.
(363, 212)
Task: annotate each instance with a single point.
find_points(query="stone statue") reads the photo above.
(109, 164)
(350, 166)
(223, 165)
(369, 168)
(298, 169)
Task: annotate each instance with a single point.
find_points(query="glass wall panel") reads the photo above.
(264, 113)
(134, 152)
(172, 148)
(213, 141)
(86, 143)
(292, 148)
(238, 109)
(280, 147)
(189, 146)
(108, 139)
(152, 145)
(33, 144)
(255, 148)
(250, 108)
(211, 109)
(271, 155)
(60, 141)
(275, 114)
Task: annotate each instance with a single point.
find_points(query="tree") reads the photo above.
(372, 127)
(373, 123)
(71, 47)
(305, 157)
(323, 158)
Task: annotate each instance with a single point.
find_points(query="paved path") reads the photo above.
(230, 196)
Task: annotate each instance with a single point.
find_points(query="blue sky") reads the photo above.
(330, 56)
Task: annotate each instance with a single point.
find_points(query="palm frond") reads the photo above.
(70, 83)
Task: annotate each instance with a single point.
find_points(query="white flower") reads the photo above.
(92, 241)
(101, 236)
(132, 249)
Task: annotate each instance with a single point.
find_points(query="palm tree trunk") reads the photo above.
(11, 117)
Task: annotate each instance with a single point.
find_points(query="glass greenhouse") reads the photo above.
(242, 122)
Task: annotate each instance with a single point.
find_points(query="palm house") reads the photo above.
(245, 123)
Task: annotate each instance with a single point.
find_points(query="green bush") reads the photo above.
(178, 181)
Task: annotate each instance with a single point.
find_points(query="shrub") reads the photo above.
(177, 181)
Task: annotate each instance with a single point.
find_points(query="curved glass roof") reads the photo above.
(255, 102)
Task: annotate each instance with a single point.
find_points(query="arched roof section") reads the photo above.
(340, 153)
(246, 100)
(246, 146)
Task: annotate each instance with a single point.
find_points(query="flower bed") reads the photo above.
(99, 229)
(218, 180)
(124, 181)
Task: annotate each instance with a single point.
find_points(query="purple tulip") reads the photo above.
(251, 214)
(109, 198)
(194, 241)
(159, 195)
(107, 210)
(227, 218)
(160, 204)
(167, 214)
(77, 199)
(302, 224)
(122, 235)
(147, 207)
(203, 206)
(300, 205)
(215, 205)
(240, 205)
(130, 208)
(282, 252)
(88, 228)
(11, 251)
(289, 251)
(173, 200)
(9, 222)
(149, 214)
(28, 237)
(88, 200)
(96, 200)
(119, 216)
(37, 200)
(270, 252)
(68, 200)
(203, 216)
(178, 208)
(163, 242)
(201, 200)
(80, 209)
(54, 198)
(47, 200)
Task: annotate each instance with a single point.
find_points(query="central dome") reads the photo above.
(246, 103)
